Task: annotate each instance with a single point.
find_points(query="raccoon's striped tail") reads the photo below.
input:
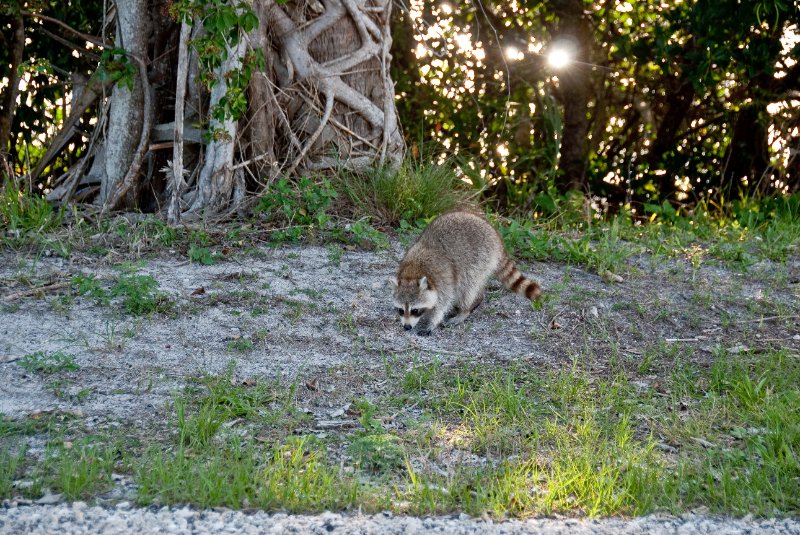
(515, 281)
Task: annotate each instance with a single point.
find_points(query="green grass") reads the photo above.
(294, 477)
(551, 442)
(79, 471)
(378, 453)
(750, 413)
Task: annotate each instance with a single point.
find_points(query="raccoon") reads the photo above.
(444, 274)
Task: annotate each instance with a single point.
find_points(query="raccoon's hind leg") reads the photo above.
(469, 303)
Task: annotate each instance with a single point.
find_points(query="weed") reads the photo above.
(367, 412)
(335, 253)
(10, 464)
(361, 233)
(310, 292)
(43, 362)
(79, 471)
(203, 255)
(140, 295)
(240, 344)
(347, 324)
(302, 205)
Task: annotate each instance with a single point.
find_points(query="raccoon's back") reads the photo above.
(461, 239)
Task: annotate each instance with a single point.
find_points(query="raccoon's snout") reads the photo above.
(407, 327)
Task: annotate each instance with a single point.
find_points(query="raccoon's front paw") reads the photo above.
(423, 332)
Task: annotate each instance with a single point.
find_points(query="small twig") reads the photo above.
(786, 316)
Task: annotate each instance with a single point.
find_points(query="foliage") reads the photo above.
(686, 98)
(225, 25)
(39, 111)
(302, 205)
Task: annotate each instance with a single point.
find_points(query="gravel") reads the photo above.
(75, 518)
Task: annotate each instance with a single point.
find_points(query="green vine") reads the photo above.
(225, 24)
(115, 65)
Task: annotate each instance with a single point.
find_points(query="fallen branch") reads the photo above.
(36, 290)
(94, 88)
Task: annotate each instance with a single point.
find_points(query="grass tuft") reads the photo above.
(416, 191)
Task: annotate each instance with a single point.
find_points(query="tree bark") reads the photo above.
(342, 112)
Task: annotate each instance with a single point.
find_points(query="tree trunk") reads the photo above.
(126, 108)
(673, 119)
(9, 99)
(574, 92)
(747, 157)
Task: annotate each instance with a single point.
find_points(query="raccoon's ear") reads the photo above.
(423, 283)
(391, 281)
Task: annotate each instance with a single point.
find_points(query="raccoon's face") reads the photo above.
(412, 298)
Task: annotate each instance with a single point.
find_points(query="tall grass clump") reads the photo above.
(416, 190)
(25, 212)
